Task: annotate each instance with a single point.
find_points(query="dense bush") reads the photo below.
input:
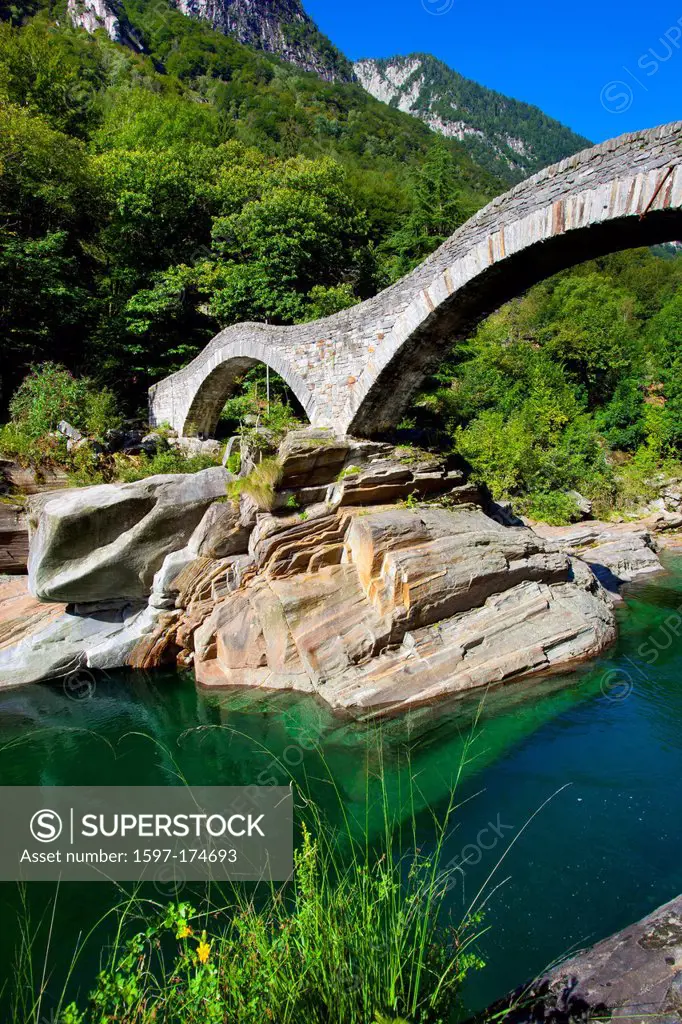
(48, 395)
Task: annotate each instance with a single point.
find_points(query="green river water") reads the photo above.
(603, 852)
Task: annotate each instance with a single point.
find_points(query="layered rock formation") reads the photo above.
(370, 575)
(13, 538)
(372, 605)
(392, 608)
(617, 553)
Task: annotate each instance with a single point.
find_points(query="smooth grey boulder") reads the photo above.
(221, 532)
(105, 543)
(43, 641)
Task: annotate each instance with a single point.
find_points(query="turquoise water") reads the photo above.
(603, 746)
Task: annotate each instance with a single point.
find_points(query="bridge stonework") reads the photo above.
(357, 370)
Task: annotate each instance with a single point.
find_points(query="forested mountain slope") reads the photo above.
(281, 27)
(150, 195)
(510, 138)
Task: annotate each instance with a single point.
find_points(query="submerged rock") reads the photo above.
(106, 542)
(617, 553)
(635, 975)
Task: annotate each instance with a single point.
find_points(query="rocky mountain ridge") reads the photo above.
(510, 138)
(280, 27)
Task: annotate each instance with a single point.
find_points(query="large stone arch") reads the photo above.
(501, 267)
(357, 370)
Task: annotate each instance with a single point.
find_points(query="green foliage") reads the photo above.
(622, 421)
(234, 463)
(325, 300)
(348, 471)
(306, 38)
(553, 507)
(436, 210)
(636, 483)
(171, 460)
(249, 404)
(50, 394)
(28, 450)
(86, 467)
(359, 935)
(444, 93)
(148, 199)
(259, 485)
(553, 383)
(590, 328)
(55, 74)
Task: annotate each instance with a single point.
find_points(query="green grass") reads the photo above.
(139, 467)
(359, 936)
(348, 471)
(260, 484)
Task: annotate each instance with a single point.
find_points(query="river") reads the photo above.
(597, 754)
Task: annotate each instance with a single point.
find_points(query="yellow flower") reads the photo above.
(183, 931)
(203, 951)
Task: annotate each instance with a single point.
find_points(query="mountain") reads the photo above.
(280, 27)
(509, 138)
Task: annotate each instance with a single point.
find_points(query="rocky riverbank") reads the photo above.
(367, 574)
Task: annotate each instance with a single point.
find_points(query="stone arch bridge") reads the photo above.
(357, 370)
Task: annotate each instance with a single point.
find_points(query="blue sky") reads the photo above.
(601, 67)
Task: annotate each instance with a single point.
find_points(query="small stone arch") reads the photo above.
(213, 383)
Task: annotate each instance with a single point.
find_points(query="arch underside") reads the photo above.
(456, 318)
(217, 386)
